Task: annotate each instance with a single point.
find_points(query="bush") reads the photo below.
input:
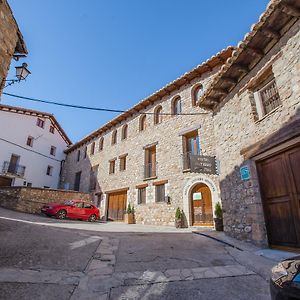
(129, 209)
(178, 214)
(218, 211)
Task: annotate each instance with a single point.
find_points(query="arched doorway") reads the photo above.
(201, 205)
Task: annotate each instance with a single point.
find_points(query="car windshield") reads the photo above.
(69, 202)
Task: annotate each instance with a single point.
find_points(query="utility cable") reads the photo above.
(97, 108)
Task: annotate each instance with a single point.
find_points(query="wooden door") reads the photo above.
(201, 205)
(279, 178)
(13, 163)
(117, 206)
(5, 181)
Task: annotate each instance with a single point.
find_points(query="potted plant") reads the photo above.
(218, 217)
(178, 218)
(129, 216)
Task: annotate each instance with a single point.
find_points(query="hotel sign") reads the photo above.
(203, 164)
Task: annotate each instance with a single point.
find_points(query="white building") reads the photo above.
(32, 145)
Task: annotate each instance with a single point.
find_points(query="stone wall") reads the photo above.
(8, 40)
(30, 200)
(236, 127)
(169, 150)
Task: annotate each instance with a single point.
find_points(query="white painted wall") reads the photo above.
(15, 128)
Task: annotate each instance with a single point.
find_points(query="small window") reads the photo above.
(53, 150)
(197, 93)
(101, 141)
(78, 155)
(40, 123)
(93, 148)
(87, 205)
(46, 187)
(123, 162)
(160, 193)
(51, 129)
(191, 147)
(142, 125)
(49, 170)
(150, 162)
(29, 142)
(77, 181)
(158, 115)
(142, 195)
(85, 152)
(176, 106)
(114, 137)
(29, 184)
(124, 132)
(112, 166)
(79, 204)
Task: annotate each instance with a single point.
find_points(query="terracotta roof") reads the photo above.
(278, 18)
(26, 111)
(206, 66)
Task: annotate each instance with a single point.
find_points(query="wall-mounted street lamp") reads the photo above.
(21, 73)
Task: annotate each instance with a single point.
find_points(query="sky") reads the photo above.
(114, 53)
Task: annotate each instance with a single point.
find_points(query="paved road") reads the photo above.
(41, 261)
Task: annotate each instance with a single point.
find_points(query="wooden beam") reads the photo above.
(212, 99)
(270, 33)
(290, 10)
(241, 67)
(221, 91)
(230, 80)
(256, 51)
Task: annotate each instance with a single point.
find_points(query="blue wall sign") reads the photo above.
(245, 173)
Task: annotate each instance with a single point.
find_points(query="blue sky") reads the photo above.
(114, 53)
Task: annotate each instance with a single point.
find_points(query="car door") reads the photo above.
(88, 210)
(76, 211)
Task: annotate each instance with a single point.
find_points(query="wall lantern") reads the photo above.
(21, 73)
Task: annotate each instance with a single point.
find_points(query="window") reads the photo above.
(114, 137)
(123, 162)
(53, 150)
(40, 123)
(29, 184)
(157, 115)
(93, 148)
(142, 125)
(85, 152)
(46, 187)
(176, 106)
(101, 144)
(51, 129)
(112, 166)
(78, 155)
(142, 195)
(78, 204)
(77, 181)
(49, 170)
(197, 93)
(87, 205)
(30, 140)
(150, 162)
(191, 146)
(93, 177)
(266, 97)
(124, 132)
(160, 193)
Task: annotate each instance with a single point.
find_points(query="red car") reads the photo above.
(72, 209)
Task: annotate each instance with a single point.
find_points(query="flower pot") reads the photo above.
(218, 224)
(129, 218)
(178, 223)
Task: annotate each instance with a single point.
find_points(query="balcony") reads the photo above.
(13, 169)
(150, 170)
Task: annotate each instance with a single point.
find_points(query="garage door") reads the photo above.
(279, 178)
(117, 206)
(5, 181)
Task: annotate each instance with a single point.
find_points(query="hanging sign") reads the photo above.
(203, 164)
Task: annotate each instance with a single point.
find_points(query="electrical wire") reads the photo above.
(36, 152)
(97, 108)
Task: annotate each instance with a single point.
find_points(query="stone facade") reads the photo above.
(11, 40)
(31, 200)
(169, 157)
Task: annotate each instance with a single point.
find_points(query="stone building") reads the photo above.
(256, 116)
(146, 155)
(11, 41)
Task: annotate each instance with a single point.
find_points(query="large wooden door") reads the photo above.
(201, 205)
(117, 206)
(279, 178)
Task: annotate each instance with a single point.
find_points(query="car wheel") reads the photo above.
(92, 218)
(61, 214)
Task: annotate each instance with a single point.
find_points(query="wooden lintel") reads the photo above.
(290, 10)
(141, 186)
(256, 51)
(230, 80)
(160, 182)
(270, 33)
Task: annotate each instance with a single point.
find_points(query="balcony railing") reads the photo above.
(13, 169)
(186, 160)
(150, 170)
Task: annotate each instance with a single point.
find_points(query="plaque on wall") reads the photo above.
(197, 196)
(203, 164)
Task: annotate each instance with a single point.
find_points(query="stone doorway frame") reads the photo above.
(188, 187)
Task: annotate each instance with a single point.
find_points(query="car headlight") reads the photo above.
(278, 272)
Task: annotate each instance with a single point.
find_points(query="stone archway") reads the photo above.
(187, 194)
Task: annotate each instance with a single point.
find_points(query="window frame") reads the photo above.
(30, 139)
(52, 129)
(78, 155)
(123, 162)
(112, 166)
(124, 134)
(158, 118)
(101, 143)
(174, 106)
(92, 149)
(40, 123)
(142, 195)
(53, 150)
(114, 137)
(158, 193)
(195, 89)
(49, 171)
(142, 122)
